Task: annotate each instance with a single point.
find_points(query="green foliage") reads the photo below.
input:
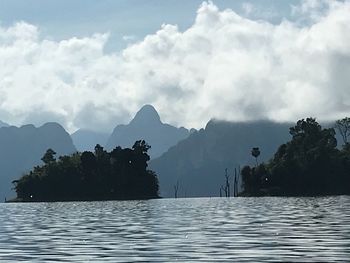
(309, 164)
(102, 175)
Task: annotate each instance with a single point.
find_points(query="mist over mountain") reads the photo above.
(86, 140)
(3, 124)
(199, 161)
(22, 148)
(147, 125)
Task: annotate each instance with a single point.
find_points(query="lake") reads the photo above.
(268, 229)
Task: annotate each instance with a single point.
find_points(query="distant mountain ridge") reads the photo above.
(22, 147)
(3, 124)
(197, 159)
(148, 126)
(198, 163)
(86, 140)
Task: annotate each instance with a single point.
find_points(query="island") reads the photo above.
(121, 174)
(310, 164)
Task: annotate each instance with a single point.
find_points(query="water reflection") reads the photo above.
(183, 230)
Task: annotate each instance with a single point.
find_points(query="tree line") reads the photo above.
(99, 175)
(309, 164)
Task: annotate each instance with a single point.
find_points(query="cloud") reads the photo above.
(128, 38)
(223, 66)
(262, 11)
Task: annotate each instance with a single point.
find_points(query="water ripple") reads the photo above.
(182, 230)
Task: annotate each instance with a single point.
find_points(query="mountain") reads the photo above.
(3, 124)
(198, 163)
(147, 125)
(86, 140)
(22, 148)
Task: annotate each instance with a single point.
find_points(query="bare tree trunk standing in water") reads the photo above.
(223, 189)
(226, 189)
(235, 185)
(176, 188)
(227, 186)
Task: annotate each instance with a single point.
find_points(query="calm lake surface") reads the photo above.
(178, 230)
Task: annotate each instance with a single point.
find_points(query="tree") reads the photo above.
(121, 174)
(343, 126)
(226, 188)
(255, 153)
(227, 184)
(246, 177)
(141, 146)
(304, 164)
(141, 156)
(88, 162)
(49, 156)
(99, 151)
(252, 179)
(309, 164)
(176, 188)
(305, 127)
(235, 184)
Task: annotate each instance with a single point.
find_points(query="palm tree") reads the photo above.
(256, 153)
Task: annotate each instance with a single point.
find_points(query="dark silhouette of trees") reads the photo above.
(235, 184)
(309, 164)
(252, 178)
(98, 175)
(49, 156)
(246, 173)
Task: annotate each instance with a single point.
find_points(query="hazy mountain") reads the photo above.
(86, 140)
(148, 126)
(3, 124)
(22, 148)
(199, 161)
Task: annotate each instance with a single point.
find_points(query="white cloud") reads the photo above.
(223, 66)
(311, 7)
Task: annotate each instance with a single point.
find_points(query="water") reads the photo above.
(178, 230)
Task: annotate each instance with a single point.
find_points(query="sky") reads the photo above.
(93, 64)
